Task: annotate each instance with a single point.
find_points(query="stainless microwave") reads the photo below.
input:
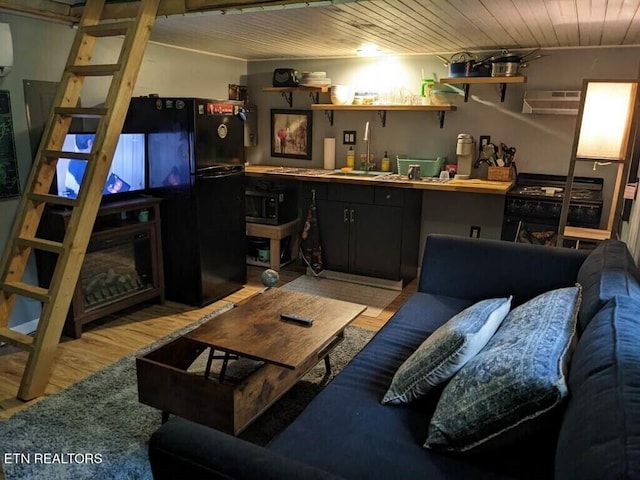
(272, 206)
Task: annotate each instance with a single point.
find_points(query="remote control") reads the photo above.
(307, 322)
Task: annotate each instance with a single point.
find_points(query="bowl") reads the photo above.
(341, 95)
(442, 94)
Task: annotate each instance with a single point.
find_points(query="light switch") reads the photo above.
(349, 137)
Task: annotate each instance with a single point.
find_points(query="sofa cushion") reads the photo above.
(447, 350)
(517, 378)
(609, 270)
(347, 431)
(600, 433)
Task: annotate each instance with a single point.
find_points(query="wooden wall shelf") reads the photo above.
(329, 108)
(382, 110)
(287, 92)
(467, 81)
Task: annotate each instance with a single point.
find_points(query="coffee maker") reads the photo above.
(465, 149)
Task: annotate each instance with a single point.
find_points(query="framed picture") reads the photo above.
(291, 133)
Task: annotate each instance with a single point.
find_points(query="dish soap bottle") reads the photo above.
(385, 164)
(351, 158)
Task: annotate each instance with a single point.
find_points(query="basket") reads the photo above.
(500, 174)
(428, 167)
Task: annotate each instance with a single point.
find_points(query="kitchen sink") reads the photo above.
(358, 173)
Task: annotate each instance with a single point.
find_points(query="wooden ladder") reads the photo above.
(56, 298)
(621, 162)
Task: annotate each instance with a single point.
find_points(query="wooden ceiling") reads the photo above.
(254, 30)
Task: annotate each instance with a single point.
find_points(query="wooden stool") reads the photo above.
(275, 233)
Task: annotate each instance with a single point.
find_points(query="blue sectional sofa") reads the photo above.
(346, 432)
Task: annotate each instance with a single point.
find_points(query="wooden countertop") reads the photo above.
(319, 175)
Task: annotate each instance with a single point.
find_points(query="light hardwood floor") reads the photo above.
(108, 340)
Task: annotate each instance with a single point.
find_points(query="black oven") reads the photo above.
(532, 208)
(272, 206)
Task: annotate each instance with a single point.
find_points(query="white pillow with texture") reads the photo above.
(447, 350)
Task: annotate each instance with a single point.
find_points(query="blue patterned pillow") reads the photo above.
(447, 350)
(514, 380)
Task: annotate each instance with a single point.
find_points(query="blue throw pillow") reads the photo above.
(447, 350)
(600, 433)
(609, 270)
(514, 380)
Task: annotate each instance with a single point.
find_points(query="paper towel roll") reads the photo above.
(329, 153)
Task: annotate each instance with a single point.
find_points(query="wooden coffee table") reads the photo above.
(253, 330)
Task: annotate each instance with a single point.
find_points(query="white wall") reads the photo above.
(543, 141)
(40, 53)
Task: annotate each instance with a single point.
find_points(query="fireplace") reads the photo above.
(116, 268)
(122, 266)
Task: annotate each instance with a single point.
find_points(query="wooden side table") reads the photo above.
(275, 233)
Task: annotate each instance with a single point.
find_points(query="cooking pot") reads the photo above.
(509, 64)
(505, 69)
(465, 64)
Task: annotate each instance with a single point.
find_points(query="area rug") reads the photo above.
(96, 429)
(375, 298)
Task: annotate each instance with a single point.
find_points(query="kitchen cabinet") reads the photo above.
(501, 81)
(372, 231)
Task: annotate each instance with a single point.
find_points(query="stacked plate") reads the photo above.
(314, 79)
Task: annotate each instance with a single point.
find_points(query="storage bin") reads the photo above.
(500, 174)
(428, 167)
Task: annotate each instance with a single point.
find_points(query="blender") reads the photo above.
(465, 149)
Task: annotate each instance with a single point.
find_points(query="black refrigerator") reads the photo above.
(195, 152)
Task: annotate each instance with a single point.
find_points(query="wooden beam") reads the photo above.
(41, 9)
(113, 11)
(125, 10)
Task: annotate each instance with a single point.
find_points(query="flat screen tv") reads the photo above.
(127, 172)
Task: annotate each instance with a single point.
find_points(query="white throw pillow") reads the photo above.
(447, 350)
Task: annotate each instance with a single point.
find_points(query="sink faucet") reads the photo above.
(369, 165)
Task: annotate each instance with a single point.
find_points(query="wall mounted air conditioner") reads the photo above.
(554, 102)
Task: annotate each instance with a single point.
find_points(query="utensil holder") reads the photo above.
(500, 174)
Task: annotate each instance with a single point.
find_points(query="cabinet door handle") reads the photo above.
(353, 216)
(345, 215)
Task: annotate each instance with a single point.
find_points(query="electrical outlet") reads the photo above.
(349, 137)
(484, 140)
(474, 232)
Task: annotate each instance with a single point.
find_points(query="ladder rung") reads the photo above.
(600, 160)
(81, 112)
(41, 244)
(53, 199)
(17, 339)
(94, 70)
(26, 290)
(586, 233)
(61, 154)
(107, 29)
